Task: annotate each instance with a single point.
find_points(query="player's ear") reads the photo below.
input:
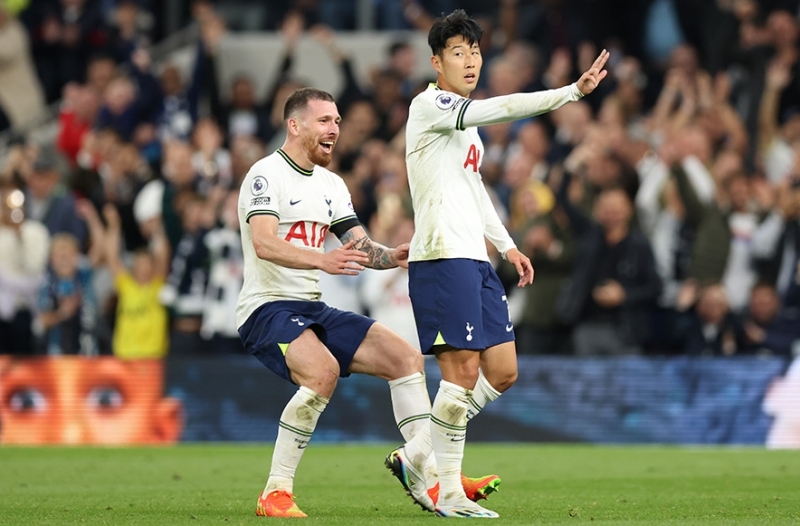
(293, 126)
(168, 421)
(436, 63)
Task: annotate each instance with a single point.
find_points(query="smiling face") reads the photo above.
(459, 66)
(317, 129)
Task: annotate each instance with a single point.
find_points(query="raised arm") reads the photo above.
(379, 257)
(516, 106)
(269, 247)
(86, 211)
(778, 77)
(113, 240)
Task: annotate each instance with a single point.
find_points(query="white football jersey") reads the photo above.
(447, 191)
(452, 210)
(307, 204)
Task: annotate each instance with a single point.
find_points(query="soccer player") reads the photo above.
(288, 202)
(459, 304)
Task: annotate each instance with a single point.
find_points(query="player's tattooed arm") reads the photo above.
(380, 257)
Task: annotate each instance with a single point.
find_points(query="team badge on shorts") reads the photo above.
(259, 185)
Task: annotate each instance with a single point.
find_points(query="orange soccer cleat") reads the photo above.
(278, 503)
(476, 489)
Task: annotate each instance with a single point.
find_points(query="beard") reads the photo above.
(315, 153)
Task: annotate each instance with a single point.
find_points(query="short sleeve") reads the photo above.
(261, 196)
(344, 209)
(437, 110)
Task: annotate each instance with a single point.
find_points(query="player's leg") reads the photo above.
(386, 355)
(282, 339)
(316, 372)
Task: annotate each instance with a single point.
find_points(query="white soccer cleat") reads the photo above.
(465, 509)
(412, 480)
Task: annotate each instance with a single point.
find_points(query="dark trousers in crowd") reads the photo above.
(530, 340)
(15, 334)
(601, 339)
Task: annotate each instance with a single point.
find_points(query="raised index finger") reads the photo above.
(601, 60)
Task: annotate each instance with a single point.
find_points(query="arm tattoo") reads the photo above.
(380, 257)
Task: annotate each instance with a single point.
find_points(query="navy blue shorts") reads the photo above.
(268, 332)
(458, 302)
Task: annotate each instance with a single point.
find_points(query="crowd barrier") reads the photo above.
(743, 401)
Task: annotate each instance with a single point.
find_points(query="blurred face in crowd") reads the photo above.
(518, 169)
(171, 82)
(603, 170)
(86, 103)
(120, 94)
(230, 210)
(143, 269)
(503, 78)
(534, 140)
(360, 119)
(75, 400)
(459, 66)
(739, 193)
(613, 209)
(317, 128)
(572, 121)
(99, 74)
(64, 255)
(41, 183)
(764, 304)
(178, 165)
(684, 58)
(193, 209)
(712, 307)
(782, 27)
(404, 60)
(243, 93)
(207, 136)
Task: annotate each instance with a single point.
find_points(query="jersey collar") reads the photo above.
(299, 169)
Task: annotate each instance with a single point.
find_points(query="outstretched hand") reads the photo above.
(344, 260)
(592, 77)
(523, 266)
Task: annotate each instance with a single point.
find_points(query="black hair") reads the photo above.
(457, 23)
(398, 46)
(300, 99)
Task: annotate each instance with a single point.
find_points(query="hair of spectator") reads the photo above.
(299, 100)
(457, 23)
(397, 47)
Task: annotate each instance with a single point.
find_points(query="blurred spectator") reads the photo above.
(65, 34)
(23, 260)
(778, 129)
(707, 328)
(76, 117)
(141, 324)
(210, 159)
(130, 28)
(776, 242)
(770, 329)
(225, 278)
(549, 242)
(47, 199)
(127, 105)
(184, 292)
(385, 293)
(21, 96)
(613, 283)
(68, 311)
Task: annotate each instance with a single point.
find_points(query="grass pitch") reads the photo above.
(348, 485)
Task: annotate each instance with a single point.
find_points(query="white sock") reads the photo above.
(298, 420)
(411, 404)
(448, 432)
(481, 395)
(412, 411)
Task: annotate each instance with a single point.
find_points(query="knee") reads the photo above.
(501, 381)
(408, 361)
(323, 378)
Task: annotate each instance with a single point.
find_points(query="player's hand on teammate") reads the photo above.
(592, 77)
(344, 260)
(400, 255)
(523, 266)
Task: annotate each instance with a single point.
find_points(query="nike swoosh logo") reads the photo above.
(509, 328)
(457, 439)
(292, 203)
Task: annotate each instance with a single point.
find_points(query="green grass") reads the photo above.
(346, 485)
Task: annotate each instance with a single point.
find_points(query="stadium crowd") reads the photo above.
(662, 213)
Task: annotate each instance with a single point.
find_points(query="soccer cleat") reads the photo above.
(475, 489)
(278, 503)
(465, 510)
(412, 480)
